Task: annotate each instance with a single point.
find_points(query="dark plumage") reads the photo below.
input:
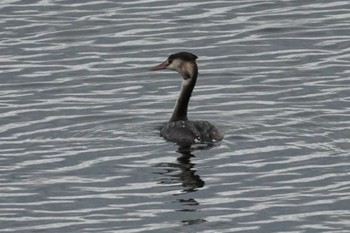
(190, 132)
(185, 56)
(179, 129)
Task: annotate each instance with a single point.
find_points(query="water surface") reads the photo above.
(81, 113)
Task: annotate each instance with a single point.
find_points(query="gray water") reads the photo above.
(81, 113)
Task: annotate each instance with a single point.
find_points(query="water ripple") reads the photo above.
(81, 113)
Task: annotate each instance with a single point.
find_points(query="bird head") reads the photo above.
(182, 62)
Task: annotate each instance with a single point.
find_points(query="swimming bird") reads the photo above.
(179, 129)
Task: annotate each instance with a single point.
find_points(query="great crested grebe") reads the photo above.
(179, 129)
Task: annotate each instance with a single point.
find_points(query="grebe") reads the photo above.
(179, 129)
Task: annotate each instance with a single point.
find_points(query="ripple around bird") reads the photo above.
(80, 117)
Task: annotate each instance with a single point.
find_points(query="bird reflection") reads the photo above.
(190, 181)
(182, 171)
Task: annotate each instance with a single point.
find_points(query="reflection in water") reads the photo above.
(190, 181)
(79, 114)
(184, 172)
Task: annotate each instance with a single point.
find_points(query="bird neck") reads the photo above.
(181, 106)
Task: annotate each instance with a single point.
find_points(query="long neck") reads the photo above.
(181, 106)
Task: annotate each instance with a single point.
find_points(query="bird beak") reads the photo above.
(161, 66)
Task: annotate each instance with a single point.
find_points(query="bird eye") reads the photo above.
(170, 61)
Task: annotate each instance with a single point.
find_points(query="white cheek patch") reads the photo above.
(175, 65)
(185, 68)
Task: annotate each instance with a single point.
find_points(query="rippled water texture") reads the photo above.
(81, 113)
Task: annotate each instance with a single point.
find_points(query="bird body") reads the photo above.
(190, 132)
(179, 129)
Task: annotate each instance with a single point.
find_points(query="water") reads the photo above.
(80, 116)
